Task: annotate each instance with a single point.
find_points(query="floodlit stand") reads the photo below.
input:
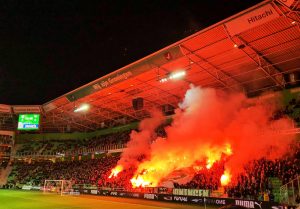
(58, 186)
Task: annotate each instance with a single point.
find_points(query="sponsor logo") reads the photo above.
(85, 191)
(149, 196)
(248, 204)
(114, 193)
(122, 194)
(277, 207)
(74, 193)
(180, 199)
(168, 56)
(94, 191)
(197, 200)
(168, 198)
(220, 202)
(105, 193)
(258, 17)
(135, 195)
(214, 201)
(259, 205)
(26, 187)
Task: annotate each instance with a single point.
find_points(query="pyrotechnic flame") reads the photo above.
(228, 150)
(210, 163)
(149, 173)
(115, 171)
(225, 178)
(215, 154)
(139, 181)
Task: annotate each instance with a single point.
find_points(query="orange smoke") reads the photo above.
(209, 126)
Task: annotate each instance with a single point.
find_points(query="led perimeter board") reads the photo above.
(28, 122)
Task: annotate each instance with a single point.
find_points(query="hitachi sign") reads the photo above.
(260, 16)
(251, 19)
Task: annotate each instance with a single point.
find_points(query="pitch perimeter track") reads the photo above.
(17, 199)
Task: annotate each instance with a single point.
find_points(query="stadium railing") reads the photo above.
(69, 153)
(290, 191)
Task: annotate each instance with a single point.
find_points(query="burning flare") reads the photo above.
(138, 181)
(150, 173)
(225, 178)
(115, 171)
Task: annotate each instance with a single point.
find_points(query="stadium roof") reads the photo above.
(252, 51)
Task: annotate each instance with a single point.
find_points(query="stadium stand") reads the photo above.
(89, 160)
(258, 178)
(263, 175)
(73, 146)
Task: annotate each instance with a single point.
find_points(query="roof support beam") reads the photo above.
(74, 122)
(217, 70)
(239, 41)
(81, 117)
(118, 110)
(99, 112)
(280, 82)
(159, 98)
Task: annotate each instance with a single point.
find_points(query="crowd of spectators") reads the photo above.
(74, 145)
(291, 109)
(250, 184)
(78, 171)
(6, 140)
(206, 178)
(256, 179)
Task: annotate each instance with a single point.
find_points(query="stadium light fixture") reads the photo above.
(177, 75)
(163, 80)
(173, 76)
(82, 108)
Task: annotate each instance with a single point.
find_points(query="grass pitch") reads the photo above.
(16, 199)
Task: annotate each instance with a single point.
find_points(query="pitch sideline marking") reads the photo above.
(115, 202)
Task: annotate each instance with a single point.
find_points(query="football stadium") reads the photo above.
(211, 121)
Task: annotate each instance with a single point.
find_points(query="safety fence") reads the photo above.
(290, 191)
(83, 151)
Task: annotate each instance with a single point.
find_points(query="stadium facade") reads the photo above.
(256, 51)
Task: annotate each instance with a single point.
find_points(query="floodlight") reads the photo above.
(177, 75)
(83, 107)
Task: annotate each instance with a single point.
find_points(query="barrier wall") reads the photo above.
(23, 138)
(198, 200)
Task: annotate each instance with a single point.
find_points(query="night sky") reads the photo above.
(48, 48)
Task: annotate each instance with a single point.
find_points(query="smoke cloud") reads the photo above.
(208, 125)
(138, 147)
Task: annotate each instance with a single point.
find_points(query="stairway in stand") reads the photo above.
(4, 174)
